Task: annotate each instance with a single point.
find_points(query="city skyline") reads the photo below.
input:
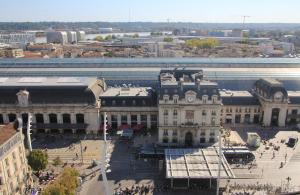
(215, 11)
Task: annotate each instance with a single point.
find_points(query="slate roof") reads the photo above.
(237, 98)
(50, 90)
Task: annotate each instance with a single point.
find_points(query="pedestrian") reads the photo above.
(285, 157)
(76, 155)
(273, 154)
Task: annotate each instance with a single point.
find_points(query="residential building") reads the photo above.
(11, 53)
(14, 172)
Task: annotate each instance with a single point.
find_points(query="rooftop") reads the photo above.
(6, 132)
(229, 93)
(45, 81)
(196, 163)
(127, 92)
(293, 93)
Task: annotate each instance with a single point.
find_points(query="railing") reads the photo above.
(189, 124)
(59, 126)
(10, 143)
(293, 115)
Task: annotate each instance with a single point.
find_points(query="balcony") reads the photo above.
(293, 116)
(59, 126)
(189, 124)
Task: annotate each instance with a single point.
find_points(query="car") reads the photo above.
(292, 141)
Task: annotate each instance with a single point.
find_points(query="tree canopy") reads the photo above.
(168, 39)
(99, 38)
(38, 160)
(202, 43)
(66, 184)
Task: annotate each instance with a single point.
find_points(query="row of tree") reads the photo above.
(202, 43)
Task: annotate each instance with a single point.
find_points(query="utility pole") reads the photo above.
(104, 156)
(220, 161)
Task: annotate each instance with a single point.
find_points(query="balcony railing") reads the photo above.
(293, 115)
(59, 126)
(189, 124)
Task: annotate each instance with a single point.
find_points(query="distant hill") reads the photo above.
(143, 26)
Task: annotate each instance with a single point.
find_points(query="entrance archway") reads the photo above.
(275, 116)
(188, 139)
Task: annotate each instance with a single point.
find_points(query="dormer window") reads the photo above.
(214, 98)
(166, 98)
(204, 99)
(175, 99)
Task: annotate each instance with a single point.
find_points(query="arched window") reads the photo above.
(66, 118)
(80, 118)
(39, 118)
(52, 118)
(12, 117)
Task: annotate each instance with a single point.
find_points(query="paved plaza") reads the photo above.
(128, 171)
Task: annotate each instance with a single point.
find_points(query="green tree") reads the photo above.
(66, 184)
(135, 35)
(57, 161)
(168, 39)
(38, 160)
(99, 38)
(207, 43)
(108, 38)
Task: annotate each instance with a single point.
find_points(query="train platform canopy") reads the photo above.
(196, 163)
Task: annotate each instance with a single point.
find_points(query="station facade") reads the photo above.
(185, 108)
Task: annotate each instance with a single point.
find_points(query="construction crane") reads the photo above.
(244, 20)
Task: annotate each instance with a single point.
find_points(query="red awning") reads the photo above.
(138, 127)
(108, 127)
(124, 126)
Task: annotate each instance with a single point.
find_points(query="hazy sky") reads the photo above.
(151, 10)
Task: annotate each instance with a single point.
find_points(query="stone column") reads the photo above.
(119, 120)
(109, 118)
(282, 117)
(129, 119)
(138, 119)
(148, 121)
(267, 116)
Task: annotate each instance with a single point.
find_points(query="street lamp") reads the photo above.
(220, 161)
(104, 158)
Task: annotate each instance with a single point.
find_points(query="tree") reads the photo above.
(168, 39)
(99, 38)
(38, 160)
(135, 35)
(66, 184)
(57, 161)
(202, 43)
(108, 38)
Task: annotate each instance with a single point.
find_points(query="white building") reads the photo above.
(57, 104)
(189, 108)
(130, 107)
(80, 35)
(57, 37)
(72, 37)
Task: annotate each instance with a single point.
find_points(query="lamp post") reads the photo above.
(220, 161)
(103, 159)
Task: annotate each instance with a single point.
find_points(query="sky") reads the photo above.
(215, 11)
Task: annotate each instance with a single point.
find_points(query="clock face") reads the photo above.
(190, 99)
(278, 96)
